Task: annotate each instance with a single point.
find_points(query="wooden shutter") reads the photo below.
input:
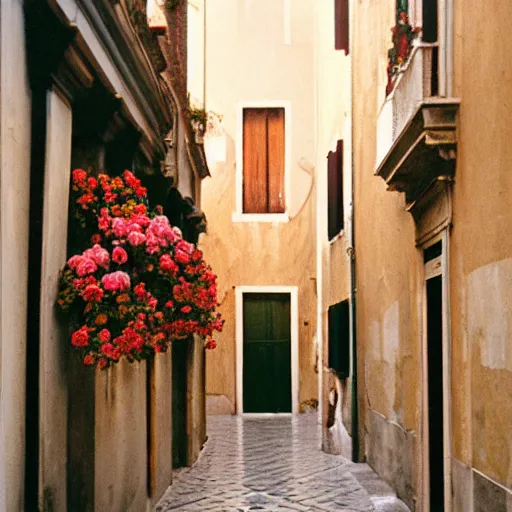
(341, 25)
(255, 160)
(275, 125)
(339, 339)
(335, 191)
(263, 160)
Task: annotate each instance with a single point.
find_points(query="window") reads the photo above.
(341, 25)
(339, 339)
(335, 191)
(263, 160)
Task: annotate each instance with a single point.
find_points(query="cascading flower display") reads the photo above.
(141, 285)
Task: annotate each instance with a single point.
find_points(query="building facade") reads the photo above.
(259, 81)
(432, 250)
(86, 84)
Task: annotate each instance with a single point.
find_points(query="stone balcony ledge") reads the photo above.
(424, 151)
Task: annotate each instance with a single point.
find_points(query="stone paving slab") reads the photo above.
(274, 464)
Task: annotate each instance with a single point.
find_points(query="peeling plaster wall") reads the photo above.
(481, 257)
(388, 274)
(248, 60)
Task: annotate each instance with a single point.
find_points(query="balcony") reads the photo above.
(416, 81)
(417, 139)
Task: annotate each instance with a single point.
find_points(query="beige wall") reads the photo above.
(14, 214)
(54, 339)
(120, 438)
(389, 267)
(481, 245)
(248, 60)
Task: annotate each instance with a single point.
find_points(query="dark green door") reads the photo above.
(267, 353)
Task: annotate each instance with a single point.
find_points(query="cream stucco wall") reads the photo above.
(257, 52)
(15, 137)
(333, 123)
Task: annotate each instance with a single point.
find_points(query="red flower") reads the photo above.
(186, 309)
(197, 255)
(168, 265)
(104, 336)
(80, 338)
(96, 239)
(86, 199)
(93, 293)
(110, 197)
(182, 257)
(102, 363)
(92, 182)
(211, 344)
(140, 291)
(119, 255)
(88, 360)
(169, 304)
(79, 176)
(86, 266)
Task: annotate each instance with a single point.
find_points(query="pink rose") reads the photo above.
(135, 238)
(116, 281)
(185, 246)
(152, 249)
(74, 261)
(86, 266)
(119, 255)
(99, 255)
(119, 227)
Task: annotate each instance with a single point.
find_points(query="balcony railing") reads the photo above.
(417, 81)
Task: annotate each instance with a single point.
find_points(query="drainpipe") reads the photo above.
(353, 337)
(353, 288)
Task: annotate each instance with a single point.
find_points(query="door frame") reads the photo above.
(430, 271)
(293, 291)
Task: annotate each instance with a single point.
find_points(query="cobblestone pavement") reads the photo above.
(274, 464)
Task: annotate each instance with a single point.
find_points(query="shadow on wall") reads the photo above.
(336, 439)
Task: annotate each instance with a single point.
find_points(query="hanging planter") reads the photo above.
(139, 285)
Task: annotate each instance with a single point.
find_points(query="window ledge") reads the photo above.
(260, 217)
(337, 237)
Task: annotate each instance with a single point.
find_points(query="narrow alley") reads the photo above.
(274, 463)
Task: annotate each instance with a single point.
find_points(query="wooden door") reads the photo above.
(267, 353)
(179, 403)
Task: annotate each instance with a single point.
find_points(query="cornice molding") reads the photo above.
(425, 150)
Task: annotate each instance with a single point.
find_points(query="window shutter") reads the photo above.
(341, 25)
(339, 339)
(255, 161)
(275, 124)
(335, 191)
